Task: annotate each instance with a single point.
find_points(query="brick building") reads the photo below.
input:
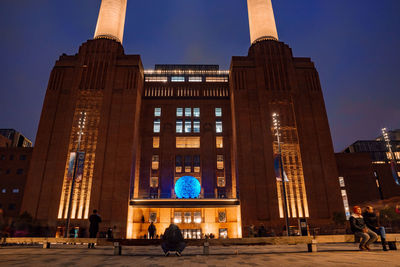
(189, 144)
(16, 139)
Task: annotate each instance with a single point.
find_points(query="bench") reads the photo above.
(47, 241)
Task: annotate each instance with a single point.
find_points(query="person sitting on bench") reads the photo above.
(371, 220)
(361, 230)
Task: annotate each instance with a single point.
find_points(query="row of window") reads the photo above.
(21, 157)
(187, 126)
(181, 79)
(188, 112)
(15, 191)
(154, 181)
(11, 206)
(8, 171)
(189, 142)
(186, 163)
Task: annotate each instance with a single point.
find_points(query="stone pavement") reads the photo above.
(288, 255)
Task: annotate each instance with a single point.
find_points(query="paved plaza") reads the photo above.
(291, 255)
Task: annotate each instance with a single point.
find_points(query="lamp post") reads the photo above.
(81, 126)
(276, 124)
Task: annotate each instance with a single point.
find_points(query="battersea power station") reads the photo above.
(192, 145)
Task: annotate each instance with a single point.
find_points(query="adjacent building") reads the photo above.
(16, 139)
(189, 144)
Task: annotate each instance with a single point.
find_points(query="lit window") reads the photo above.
(177, 217)
(178, 164)
(179, 112)
(216, 79)
(157, 126)
(188, 163)
(220, 162)
(156, 142)
(154, 182)
(155, 162)
(196, 112)
(157, 112)
(188, 142)
(188, 126)
(341, 182)
(156, 79)
(15, 191)
(223, 233)
(220, 142)
(177, 79)
(218, 126)
(3, 190)
(179, 126)
(221, 181)
(195, 79)
(196, 126)
(197, 217)
(196, 163)
(188, 112)
(218, 112)
(346, 203)
(187, 217)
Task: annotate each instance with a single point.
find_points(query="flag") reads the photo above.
(71, 163)
(277, 168)
(80, 166)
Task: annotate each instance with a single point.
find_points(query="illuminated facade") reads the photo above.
(146, 129)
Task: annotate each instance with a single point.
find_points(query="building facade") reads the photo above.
(16, 139)
(185, 144)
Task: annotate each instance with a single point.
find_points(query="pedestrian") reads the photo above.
(252, 231)
(151, 230)
(262, 232)
(361, 230)
(371, 220)
(110, 233)
(94, 220)
(173, 240)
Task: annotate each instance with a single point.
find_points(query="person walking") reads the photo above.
(371, 220)
(94, 220)
(151, 230)
(173, 240)
(361, 230)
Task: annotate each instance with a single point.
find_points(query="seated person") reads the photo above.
(371, 220)
(361, 230)
(173, 240)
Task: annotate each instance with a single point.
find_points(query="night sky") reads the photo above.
(354, 44)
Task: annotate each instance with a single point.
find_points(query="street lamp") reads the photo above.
(81, 126)
(277, 126)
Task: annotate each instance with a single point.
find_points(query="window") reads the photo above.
(179, 126)
(2, 157)
(197, 217)
(177, 217)
(341, 182)
(155, 162)
(22, 157)
(156, 79)
(188, 142)
(196, 112)
(157, 125)
(3, 190)
(220, 162)
(216, 79)
(154, 182)
(196, 126)
(188, 112)
(156, 142)
(15, 191)
(218, 126)
(11, 157)
(11, 206)
(196, 163)
(195, 79)
(178, 164)
(177, 79)
(187, 217)
(20, 171)
(218, 112)
(188, 126)
(188, 163)
(220, 142)
(157, 112)
(179, 112)
(223, 233)
(221, 181)
(8, 171)
(346, 203)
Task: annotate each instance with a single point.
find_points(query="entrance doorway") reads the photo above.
(191, 233)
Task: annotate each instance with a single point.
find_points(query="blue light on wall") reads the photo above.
(187, 187)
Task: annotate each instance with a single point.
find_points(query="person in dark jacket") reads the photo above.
(173, 240)
(361, 230)
(94, 220)
(371, 220)
(262, 232)
(151, 230)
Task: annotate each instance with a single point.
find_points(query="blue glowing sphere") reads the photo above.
(187, 187)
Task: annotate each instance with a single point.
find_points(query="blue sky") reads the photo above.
(354, 44)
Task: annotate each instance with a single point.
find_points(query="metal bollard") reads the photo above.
(313, 246)
(117, 249)
(46, 244)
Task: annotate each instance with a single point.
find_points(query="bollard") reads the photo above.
(117, 249)
(313, 246)
(46, 244)
(206, 247)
